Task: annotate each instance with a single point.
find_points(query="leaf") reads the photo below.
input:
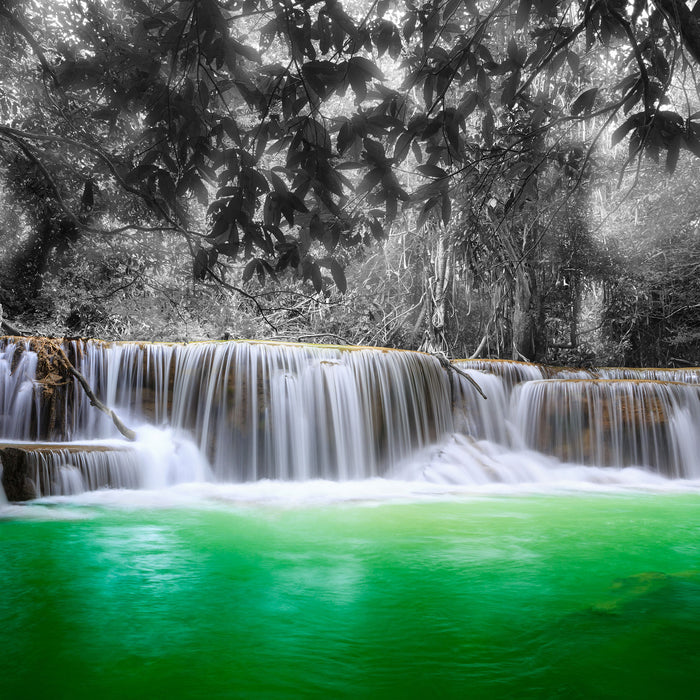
(409, 26)
(358, 82)
(312, 272)
(468, 103)
(278, 183)
(674, 148)
(374, 152)
(512, 50)
(316, 229)
(523, 14)
(370, 69)
(260, 143)
(487, 128)
(246, 51)
(166, 187)
(199, 267)
(557, 62)
(426, 210)
(446, 208)
(272, 210)
(382, 39)
(249, 270)
(452, 132)
(140, 173)
(510, 87)
(391, 207)
(403, 145)
(346, 137)
(375, 226)
(584, 102)
(483, 84)
(370, 180)
(417, 153)
(432, 171)
(203, 93)
(574, 61)
(336, 272)
(331, 236)
(231, 129)
(623, 130)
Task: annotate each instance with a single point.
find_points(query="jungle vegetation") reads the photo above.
(509, 178)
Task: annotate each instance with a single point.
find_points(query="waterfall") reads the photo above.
(243, 411)
(257, 410)
(511, 372)
(686, 375)
(611, 422)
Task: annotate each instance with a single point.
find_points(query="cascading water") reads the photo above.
(510, 372)
(610, 422)
(686, 375)
(274, 411)
(256, 410)
(288, 412)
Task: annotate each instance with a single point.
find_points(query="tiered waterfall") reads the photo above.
(244, 411)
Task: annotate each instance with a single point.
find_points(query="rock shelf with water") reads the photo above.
(258, 410)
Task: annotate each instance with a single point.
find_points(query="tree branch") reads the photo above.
(19, 137)
(128, 433)
(444, 361)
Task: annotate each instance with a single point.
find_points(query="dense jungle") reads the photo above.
(496, 178)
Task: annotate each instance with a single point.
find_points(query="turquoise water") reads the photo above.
(533, 596)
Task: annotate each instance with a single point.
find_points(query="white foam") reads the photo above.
(289, 494)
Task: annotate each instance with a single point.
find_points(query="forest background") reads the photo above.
(503, 178)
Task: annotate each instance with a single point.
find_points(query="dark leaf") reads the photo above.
(432, 171)
(584, 102)
(446, 207)
(199, 268)
(426, 210)
(403, 144)
(336, 272)
(316, 229)
(249, 270)
(523, 15)
(377, 229)
(623, 130)
(674, 148)
(278, 183)
(468, 103)
(370, 180)
(374, 152)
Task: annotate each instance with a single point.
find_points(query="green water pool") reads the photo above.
(521, 596)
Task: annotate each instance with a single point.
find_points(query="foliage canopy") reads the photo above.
(283, 131)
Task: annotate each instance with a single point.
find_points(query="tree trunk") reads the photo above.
(440, 288)
(527, 313)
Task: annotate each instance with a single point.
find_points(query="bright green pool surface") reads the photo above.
(523, 596)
